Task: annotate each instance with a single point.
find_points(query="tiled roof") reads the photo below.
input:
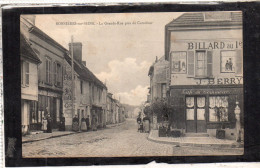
(197, 19)
(84, 72)
(27, 51)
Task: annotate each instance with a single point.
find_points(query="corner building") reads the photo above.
(205, 51)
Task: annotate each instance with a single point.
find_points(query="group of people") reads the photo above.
(47, 123)
(143, 124)
(85, 124)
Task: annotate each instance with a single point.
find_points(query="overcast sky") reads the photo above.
(119, 54)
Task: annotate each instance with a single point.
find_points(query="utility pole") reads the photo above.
(72, 76)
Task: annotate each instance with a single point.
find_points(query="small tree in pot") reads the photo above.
(222, 115)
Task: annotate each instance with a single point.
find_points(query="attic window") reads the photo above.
(217, 16)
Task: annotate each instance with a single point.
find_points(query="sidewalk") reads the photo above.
(193, 141)
(56, 134)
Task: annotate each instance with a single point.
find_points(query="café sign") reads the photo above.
(220, 81)
(215, 45)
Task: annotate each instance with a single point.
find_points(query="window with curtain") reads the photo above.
(218, 108)
(201, 64)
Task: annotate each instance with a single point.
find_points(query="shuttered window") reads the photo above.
(209, 64)
(55, 73)
(239, 62)
(48, 71)
(190, 63)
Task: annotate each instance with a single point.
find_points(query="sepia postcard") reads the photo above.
(132, 84)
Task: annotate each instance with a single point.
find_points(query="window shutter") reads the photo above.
(190, 63)
(22, 73)
(55, 73)
(239, 63)
(209, 64)
(47, 69)
(27, 71)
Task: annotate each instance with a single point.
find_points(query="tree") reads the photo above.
(161, 109)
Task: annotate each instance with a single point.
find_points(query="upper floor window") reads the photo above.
(179, 62)
(25, 73)
(57, 74)
(81, 87)
(48, 70)
(200, 64)
(232, 62)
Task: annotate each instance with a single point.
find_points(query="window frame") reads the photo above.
(234, 61)
(48, 73)
(226, 107)
(171, 59)
(205, 75)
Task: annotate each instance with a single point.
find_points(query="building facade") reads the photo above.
(29, 85)
(205, 51)
(50, 81)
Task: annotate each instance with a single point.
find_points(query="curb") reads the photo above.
(57, 136)
(150, 138)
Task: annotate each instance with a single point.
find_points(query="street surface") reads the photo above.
(123, 140)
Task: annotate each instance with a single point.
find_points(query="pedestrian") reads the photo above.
(49, 124)
(62, 123)
(146, 121)
(87, 123)
(44, 124)
(75, 123)
(94, 123)
(83, 126)
(139, 121)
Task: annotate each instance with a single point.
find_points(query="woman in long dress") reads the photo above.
(62, 123)
(49, 124)
(75, 123)
(146, 122)
(83, 126)
(44, 124)
(94, 123)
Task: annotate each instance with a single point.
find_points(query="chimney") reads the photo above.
(84, 63)
(77, 51)
(30, 18)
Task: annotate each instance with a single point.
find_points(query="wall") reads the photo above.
(221, 40)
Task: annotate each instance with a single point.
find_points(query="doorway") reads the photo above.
(196, 114)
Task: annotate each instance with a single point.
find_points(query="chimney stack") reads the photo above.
(77, 51)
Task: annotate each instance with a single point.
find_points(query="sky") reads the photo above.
(118, 48)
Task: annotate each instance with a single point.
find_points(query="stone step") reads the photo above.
(196, 135)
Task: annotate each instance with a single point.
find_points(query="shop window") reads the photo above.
(178, 62)
(48, 70)
(218, 108)
(190, 108)
(33, 112)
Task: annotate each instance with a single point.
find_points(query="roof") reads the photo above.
(27, 51)
(198, 19)
(84, 72)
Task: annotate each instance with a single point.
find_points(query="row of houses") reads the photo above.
(201, 72)
(48, 86)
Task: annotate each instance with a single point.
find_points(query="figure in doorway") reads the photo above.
(94, 123)
(44, 124)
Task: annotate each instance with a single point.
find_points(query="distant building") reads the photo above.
(206, 65)
(159, 79)
(29, 85)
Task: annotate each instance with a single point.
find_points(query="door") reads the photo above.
(195, 114)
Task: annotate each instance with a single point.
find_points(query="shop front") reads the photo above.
(200, 109)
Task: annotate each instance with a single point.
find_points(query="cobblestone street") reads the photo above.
(123, 140)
